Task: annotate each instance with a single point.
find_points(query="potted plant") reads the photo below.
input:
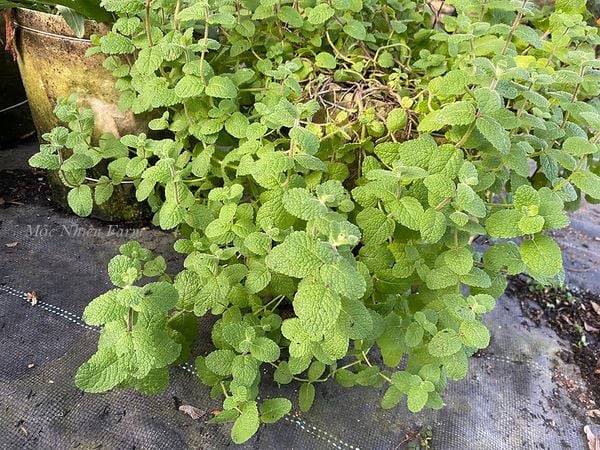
(51, 53)
(328, 165)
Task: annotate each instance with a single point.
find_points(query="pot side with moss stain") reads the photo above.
(53, 64)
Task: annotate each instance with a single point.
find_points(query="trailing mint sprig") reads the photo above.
(327, 166)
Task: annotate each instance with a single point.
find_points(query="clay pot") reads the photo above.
(53, 64)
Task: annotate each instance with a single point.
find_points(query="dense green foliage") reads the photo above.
(328, 166)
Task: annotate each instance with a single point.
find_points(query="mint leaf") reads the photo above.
(316, 306)
(417, 398)
(407, 211)
(246, 425)
(273, 409)
(80, 200)
(220, 362)
(494, 133)
(588, 182)
(44, 161)
(101, 372)
(542, 256)
(291, 16)
(376, 226)
(189, 86)
(320, 14)
(459, 113)
(300, 203)
(355, 29)
(104, 308)
(459, 261)
(342, 277)
(445, 343)
(244, 369)
(299, 255)
(306, 396)
(264, 349)
(504, 224)
(325, 60)
(221, 87)
(474, 334)
(578, 146)
(433, 226)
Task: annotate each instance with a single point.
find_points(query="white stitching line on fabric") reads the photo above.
(50, 308)
(303, 425)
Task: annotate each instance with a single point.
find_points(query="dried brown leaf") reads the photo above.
(192, 411)
(596, 307)
(593, 439)
(12, 244)
(32, 297)
(595, 413)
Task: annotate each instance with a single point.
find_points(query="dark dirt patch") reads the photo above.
(23, 187)
(575, 316)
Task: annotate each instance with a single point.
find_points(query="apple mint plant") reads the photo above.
(328, 166)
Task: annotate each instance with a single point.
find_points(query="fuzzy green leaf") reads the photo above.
(221, 87)
(474, 334)
(80, 200)
(246, 425)
(494, 133)
(375, 225)
(102, 372)
(273, 409)
(542, 256)
(458, 113)
(306, 396)
(316, 306)
(299, 255)
(264, 349)
(445, 343)
(588, 182)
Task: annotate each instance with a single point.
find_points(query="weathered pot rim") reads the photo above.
(55, 25)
